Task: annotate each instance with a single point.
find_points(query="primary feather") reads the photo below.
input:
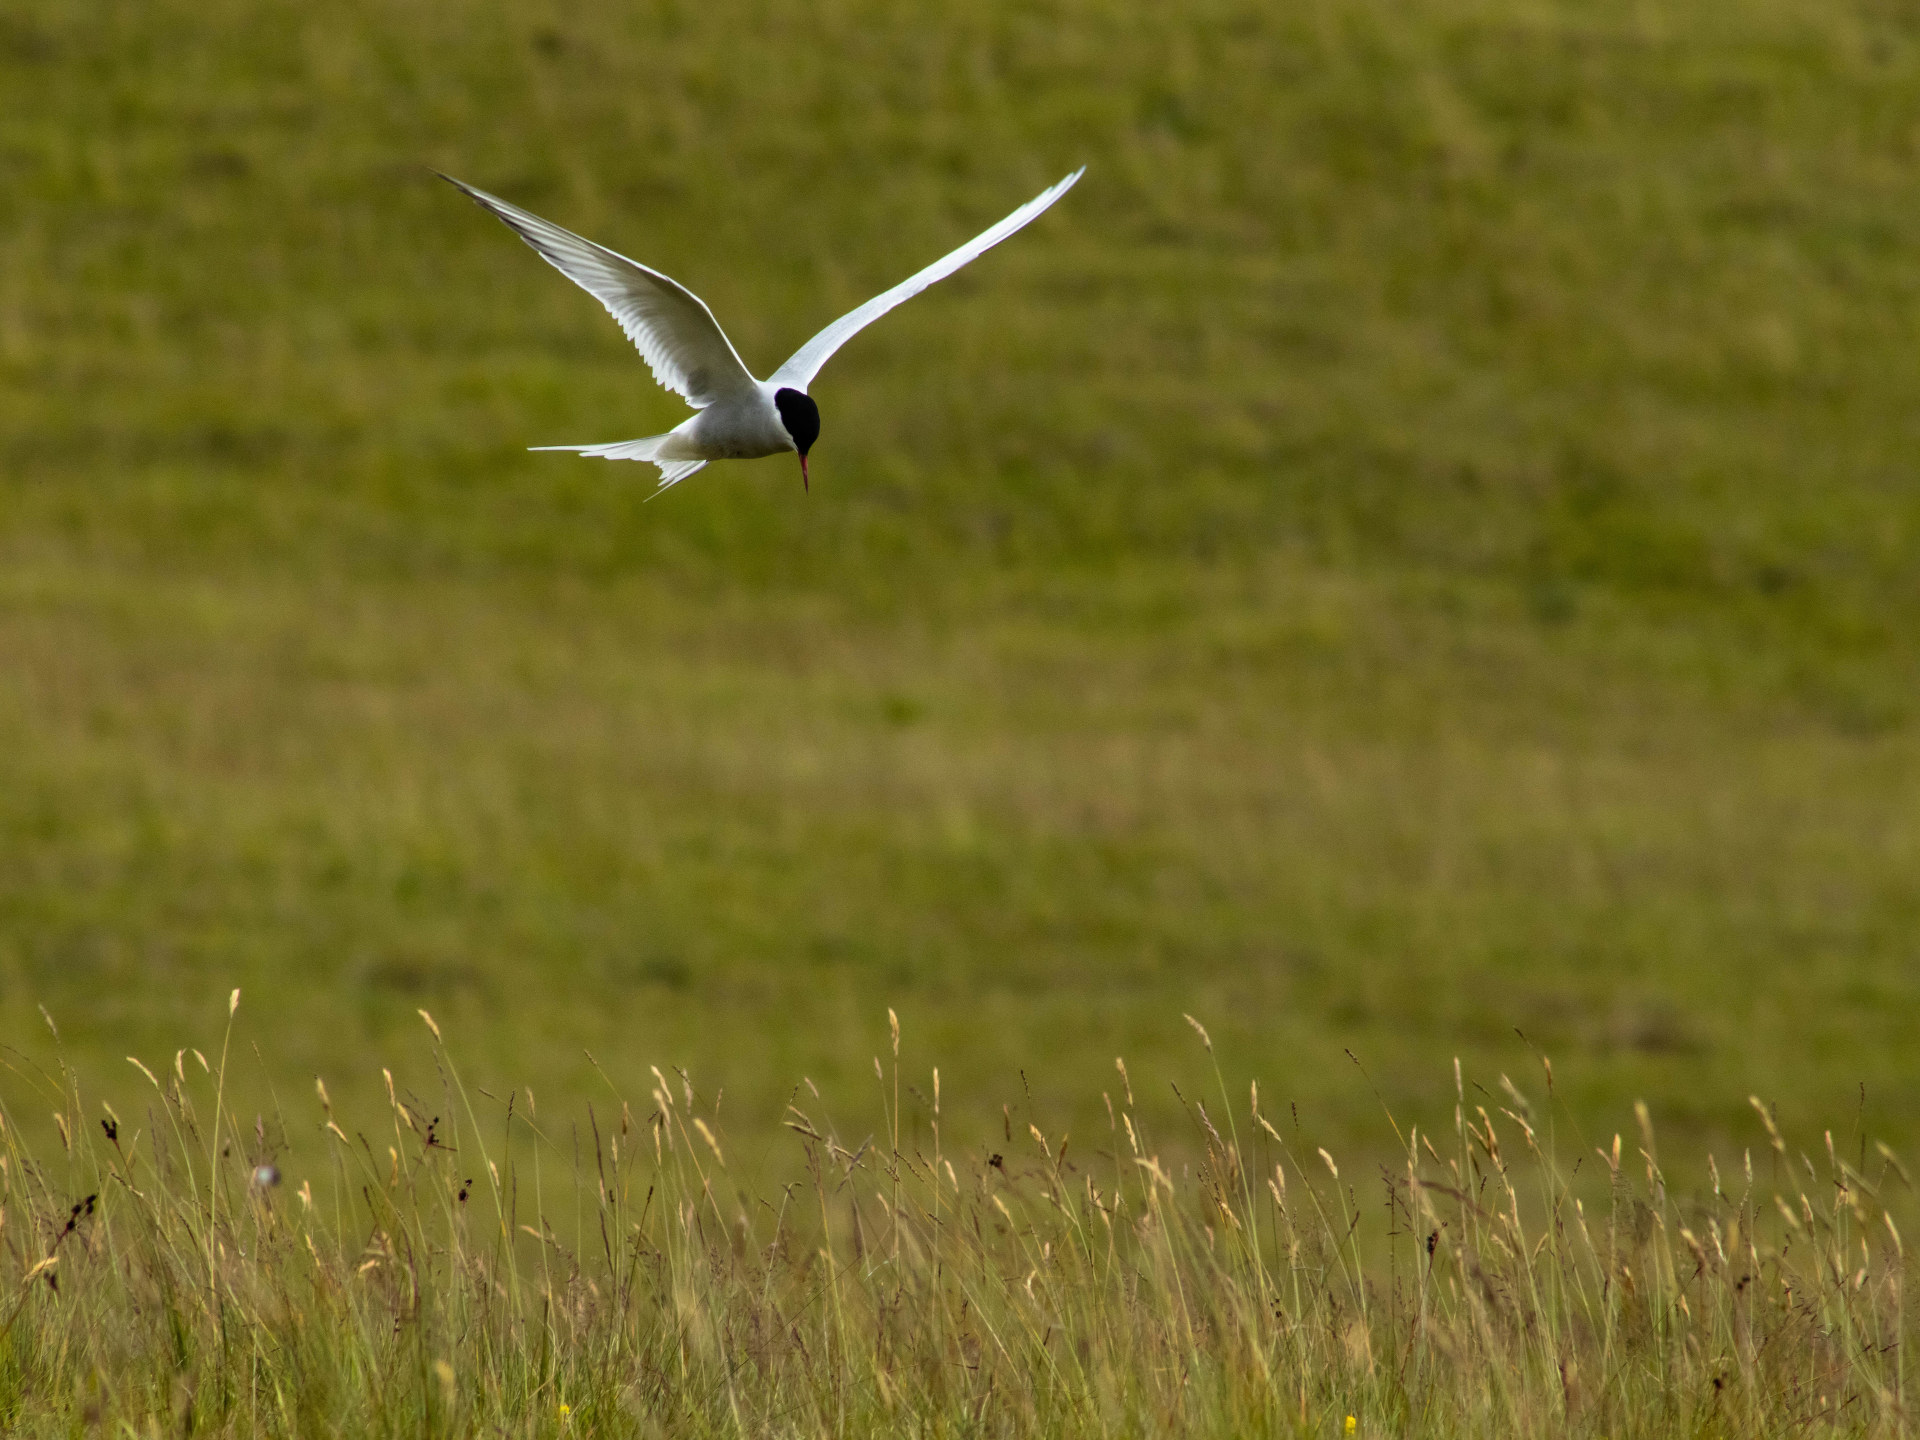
(671, 326)
(807, 360)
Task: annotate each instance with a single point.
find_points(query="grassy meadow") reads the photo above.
(1419, 546)
(497, 1270)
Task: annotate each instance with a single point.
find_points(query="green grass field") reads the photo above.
(1420, 545)
(500, 1271)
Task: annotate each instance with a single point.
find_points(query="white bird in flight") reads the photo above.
(736, 416)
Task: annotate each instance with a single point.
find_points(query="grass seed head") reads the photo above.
(712, 1143)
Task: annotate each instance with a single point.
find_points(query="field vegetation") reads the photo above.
(483, 1266)
(1421, 546)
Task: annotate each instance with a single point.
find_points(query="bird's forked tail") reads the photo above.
(672, 472)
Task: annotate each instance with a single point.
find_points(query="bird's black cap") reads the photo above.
(801, 417)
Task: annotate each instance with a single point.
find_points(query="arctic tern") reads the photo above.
(736, 417)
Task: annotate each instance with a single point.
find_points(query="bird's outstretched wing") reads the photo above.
(799, 371)
(675, 332)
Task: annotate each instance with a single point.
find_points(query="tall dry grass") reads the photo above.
(484, 1269)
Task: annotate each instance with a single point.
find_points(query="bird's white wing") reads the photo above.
(799, 371)
(671, 326)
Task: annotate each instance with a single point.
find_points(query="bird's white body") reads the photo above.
(744, 424)
(736, 417)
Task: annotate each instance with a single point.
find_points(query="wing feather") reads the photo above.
(805, 363)
(671, 326)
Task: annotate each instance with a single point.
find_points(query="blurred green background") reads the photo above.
(1421, 544)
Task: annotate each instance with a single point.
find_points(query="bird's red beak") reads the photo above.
(803, 474)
